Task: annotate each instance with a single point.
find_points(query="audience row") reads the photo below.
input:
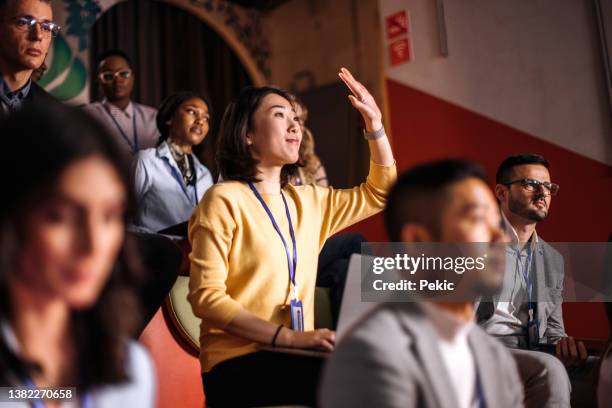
(104, 201)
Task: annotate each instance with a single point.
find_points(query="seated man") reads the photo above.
(26, 31)
(131, 123)
(528, 313)
(429, 354)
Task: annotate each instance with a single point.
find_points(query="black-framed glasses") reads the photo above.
(109, 76)
(27, 23)
(532, 185)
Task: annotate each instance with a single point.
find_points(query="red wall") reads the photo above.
(426, 128)
(178, 373)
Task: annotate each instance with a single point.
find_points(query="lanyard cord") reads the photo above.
(291, 263)
(133, 146)
(179, 180)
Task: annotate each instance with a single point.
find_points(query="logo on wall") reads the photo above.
(398, 37)
(68, 75)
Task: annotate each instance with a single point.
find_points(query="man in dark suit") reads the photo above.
(527, 316)
(430, 353)
(26, 30)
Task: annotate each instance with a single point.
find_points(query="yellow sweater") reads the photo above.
(238, 260)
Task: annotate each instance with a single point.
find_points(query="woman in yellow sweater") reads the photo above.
(255, 241)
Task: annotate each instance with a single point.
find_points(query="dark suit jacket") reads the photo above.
(36, 96)
(39, 96)
(548, 289)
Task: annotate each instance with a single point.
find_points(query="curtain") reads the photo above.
(171, 50)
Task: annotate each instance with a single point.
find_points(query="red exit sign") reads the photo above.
(400, 52)
(397, 24)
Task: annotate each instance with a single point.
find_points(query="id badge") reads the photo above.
(533, 337)
(297, 315)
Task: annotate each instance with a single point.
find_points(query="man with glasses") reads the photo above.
(527, 316)
(26, 30)
(133, 124)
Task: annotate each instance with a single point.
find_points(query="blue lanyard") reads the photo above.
(134, 146)
(86, 401)
(480, 393)
(181, 183)
(292, 265)
(525, 272)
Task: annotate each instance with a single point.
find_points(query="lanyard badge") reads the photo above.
(297, 315)
(297, 310)
(533, 335)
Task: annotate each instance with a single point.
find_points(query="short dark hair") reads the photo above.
(169, 106)
(233, 153)
(100, 332)
(418, 194)
(503, 172)
(112, 53)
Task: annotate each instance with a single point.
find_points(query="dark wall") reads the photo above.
(337, 129)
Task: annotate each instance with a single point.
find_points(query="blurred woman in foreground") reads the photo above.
(67, 278)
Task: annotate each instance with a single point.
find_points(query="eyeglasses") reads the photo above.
(107, 77)
(532, 185)
(27, 23)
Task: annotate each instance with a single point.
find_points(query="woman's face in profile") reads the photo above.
(190, 122)
(72, 239)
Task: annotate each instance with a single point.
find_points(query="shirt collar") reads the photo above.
(14, 98)
(512, 232)
(8, 334)
(448, 326)
(128, 112)
(163, 150)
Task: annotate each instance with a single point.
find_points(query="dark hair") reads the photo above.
(52, 138)
(233, 154)
(112, 53)
(418, 194)
(503, 172)
(169, 106)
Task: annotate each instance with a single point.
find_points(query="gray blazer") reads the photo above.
(390, 359)
(548, 292)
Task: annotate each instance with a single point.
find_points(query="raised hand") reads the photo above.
(362, 100)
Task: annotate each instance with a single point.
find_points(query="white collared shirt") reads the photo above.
(163, 198)
(138, 391)
(122, 127)
(511, 314)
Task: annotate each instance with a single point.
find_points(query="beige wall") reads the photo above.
(320, 36)
(534, 65)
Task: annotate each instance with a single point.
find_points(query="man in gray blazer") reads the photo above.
(428, 353)
(527, 315)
